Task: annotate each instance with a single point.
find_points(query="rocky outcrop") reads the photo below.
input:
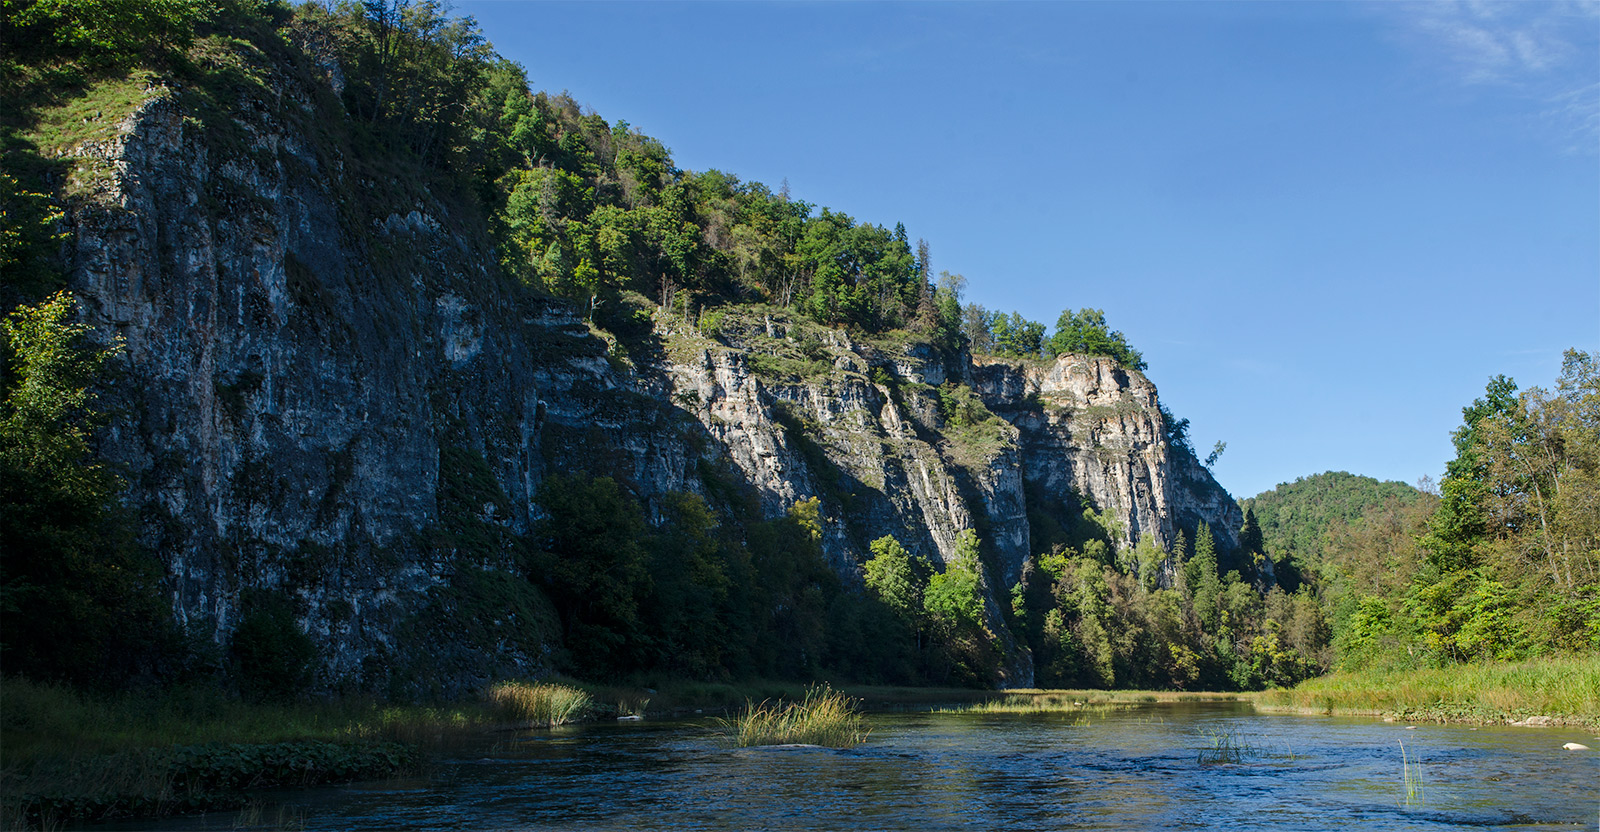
(1092, 429)
(872, 453)
(325, 378)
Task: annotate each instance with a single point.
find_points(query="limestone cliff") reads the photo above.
(327, 381)
(1089, 427)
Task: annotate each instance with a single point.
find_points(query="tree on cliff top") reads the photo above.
(1085, 332)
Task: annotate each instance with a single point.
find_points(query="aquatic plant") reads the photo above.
(541, 704)
(1226, 746)
(1411, 776)
(825, 717)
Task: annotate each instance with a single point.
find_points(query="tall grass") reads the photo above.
(46, 720)
(1227, 746)
(72, 756)
(1565, 688)
(1411, 776)
(825, 717)
(1032, 701)
(541, 704)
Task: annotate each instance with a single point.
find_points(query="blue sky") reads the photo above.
(1326, 225)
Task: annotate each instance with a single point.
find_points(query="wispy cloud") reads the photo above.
(1507, 42)
(1547, 51)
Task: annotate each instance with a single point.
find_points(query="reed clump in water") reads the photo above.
(1226, 747)
(1411, 774)
(541, 704)
(825, 717)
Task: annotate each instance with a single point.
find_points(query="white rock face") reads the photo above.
(1091, 427)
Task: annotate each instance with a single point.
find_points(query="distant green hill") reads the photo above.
(1295, 516)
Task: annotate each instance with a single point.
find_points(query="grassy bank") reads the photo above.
(1566, 690)
(68, 756)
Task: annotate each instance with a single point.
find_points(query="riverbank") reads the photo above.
(75, 757)
(1551, 691)
(70, 756)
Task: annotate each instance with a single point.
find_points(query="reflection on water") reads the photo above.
(1148, 768)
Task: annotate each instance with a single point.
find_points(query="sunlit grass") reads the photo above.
(1567, 689)
(825, 717)
(541, 704)
(1034, 701)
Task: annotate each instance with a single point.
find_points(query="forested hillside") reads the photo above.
(1295, 519)
(1502, 563)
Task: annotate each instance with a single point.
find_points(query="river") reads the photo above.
(1159, 766)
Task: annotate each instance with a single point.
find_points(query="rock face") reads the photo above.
(325, 382)
(1090, 428)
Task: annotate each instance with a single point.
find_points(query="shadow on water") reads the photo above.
(1160, 766)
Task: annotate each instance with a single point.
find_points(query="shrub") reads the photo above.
(272, 657)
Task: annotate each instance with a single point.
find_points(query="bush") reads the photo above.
(272, 658)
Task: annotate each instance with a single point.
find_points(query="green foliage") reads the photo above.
(1294, 518)
(1460, 522)
(945, 332)
(1564, 688)
(28, 235)
(1216, 453)
(472, 508)
(479, 620)
(273, 659)
(1176, 432)
(1085, 333)
(977, 328)
(954, 597)
(895, 579)
(1204, 579)
(961, 407)
(78, 601)
(1148, 618)
(599, 214)
(856, 274)
(808, 514)
(416, 71)
(51, 366)
(1251, 542)
(594, 567)
(1498, 567)
(113, 32)
(690, 569)
(1017, 337)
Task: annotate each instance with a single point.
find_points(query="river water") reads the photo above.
(1160, 766)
